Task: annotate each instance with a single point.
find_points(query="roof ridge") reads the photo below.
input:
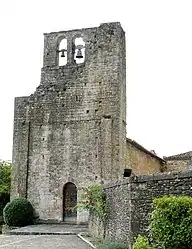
(140, 147)
(184, 155)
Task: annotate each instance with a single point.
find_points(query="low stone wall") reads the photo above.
(96, 227)
(119, 208)
(130, 201)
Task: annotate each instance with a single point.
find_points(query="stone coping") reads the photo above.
(151, 177)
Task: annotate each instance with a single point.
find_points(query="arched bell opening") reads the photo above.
(69, 202)
(79, 56)
(63, 52)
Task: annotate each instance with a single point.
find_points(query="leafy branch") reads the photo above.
(94, 200)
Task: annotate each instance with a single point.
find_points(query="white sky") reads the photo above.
(159, 62)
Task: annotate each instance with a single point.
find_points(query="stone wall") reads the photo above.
(72, 129)
(130, 201)
(177, 165)
(182, 161)
(142, 161)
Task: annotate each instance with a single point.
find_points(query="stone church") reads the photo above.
(71, 131)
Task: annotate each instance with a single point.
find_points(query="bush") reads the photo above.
(18, 212)
(113, 245)
(142, 243)
(171, 222)
(94, 200)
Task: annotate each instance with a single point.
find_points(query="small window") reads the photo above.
(63, 52)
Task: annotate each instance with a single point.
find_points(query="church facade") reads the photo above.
(71, 131)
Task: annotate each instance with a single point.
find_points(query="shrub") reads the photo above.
(18, 212)
(113, 245)
(93, 200)
(142, 243)
(171, 222)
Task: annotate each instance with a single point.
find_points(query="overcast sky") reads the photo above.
(159, 62)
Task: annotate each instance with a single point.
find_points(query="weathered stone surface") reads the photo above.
(129, 201)
(142, 161)
(177, 165)
(72, 129)
(182, 161)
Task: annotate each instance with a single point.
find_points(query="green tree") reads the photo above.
(5, 184)
(5, 177)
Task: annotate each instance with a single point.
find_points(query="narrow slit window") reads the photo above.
(63, 52)
(79, 55)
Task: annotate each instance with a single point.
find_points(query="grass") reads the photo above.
(112, 245)
(102, 244)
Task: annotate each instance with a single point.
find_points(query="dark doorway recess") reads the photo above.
(69, 202)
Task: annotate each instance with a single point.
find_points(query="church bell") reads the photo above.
(63, 53)
(79, 54)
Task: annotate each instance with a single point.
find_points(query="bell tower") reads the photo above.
(71, 131)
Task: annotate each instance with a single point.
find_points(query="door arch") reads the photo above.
(69, 202)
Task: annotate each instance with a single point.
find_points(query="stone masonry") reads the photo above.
(129, 202)
(179, 162)
(72, 129)
(143, 161)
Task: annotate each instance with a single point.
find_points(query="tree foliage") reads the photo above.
(171, 222)
(5, 177)
(93, 200)
(5, 184)
(142, 243)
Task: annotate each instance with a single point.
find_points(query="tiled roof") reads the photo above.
(182, 156)
(140, 147)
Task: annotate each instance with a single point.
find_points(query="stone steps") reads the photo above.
(49, 229)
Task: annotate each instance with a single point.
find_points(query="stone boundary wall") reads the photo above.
(130, 201)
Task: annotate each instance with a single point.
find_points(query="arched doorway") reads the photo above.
(69, 202)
